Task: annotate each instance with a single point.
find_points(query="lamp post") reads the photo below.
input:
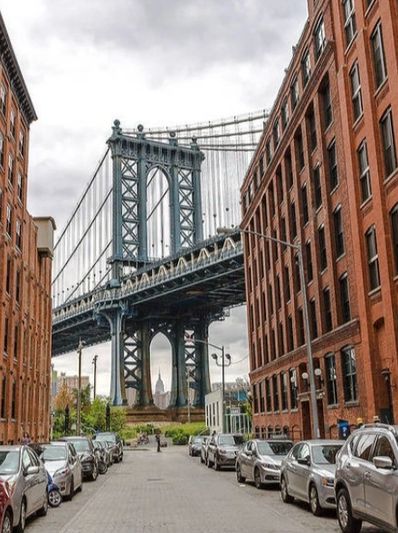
(223, 364)
(79, 387)
(95, 374)
(310, 359)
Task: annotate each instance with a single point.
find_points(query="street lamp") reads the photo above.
(79, 387)
(95, 374)
(310, 359)
(223, 364)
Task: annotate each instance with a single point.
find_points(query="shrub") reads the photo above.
(180, 439)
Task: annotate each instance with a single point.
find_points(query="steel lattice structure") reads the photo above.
(140, 254)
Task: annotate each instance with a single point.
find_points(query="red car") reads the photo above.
(5, 508)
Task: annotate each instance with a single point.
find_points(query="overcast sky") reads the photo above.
(156, 62)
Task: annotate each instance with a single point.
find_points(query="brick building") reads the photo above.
(25, 268)
(325, 175)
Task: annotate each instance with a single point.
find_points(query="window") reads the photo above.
(271, 200)
(290, 337)
(350, 26)
(283, 232)
(3, 99)
(275, 245)
(316, 183)
(313, 321)
(20, 187)
(1, 150)
(394, 225)
(268, 395)
(297, 277)
(21, 144)
(344, 299)
(13, 400)
(293, 388)
(8, 275)
(16, 343)
(4, 397)
(332, 166)
(388, 140)
(294, 93)
(312, 129)
(308, 259)
(283, 390)
(327, 310)
(338, 232)
(288, 169)
(18, 234)
(18, 286)
(10, 168)
(287, 283)
(9, 220)
(1, 206)
(373, 259)
(279, 184)
(323, 261)
(270, 299)
(285, 114)
(276, 133)
(327, 110)
(12, 123)
(364, 172)
(356, 93)
(268, 152)
(299, 145)
(304, 203)
(278, 292)
(300, 328)
(306, 67)
(280, 340)
(275, 392)
(6, 336)
(379, 62)
(383, 448)
(319, 38)
(364, 446)
(331, 379)
(293, 223)
(349, 374)
(262, 399)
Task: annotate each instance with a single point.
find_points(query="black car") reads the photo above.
(195, 445)
(87, 455)
(116, 447)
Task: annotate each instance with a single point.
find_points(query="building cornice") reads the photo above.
(10, 63)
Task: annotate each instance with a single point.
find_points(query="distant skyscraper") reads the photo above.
(161, 398)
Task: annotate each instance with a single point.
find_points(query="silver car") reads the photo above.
(366, 480)
(260, 461)
(223, 449)
(63, 465)
(27, 479)
(307, 473)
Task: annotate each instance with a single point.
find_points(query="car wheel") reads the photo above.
(7, 523)
(22, 518)
(239, 477)
(286, 498)
(94, 475)
(257, 479)
(43, 510)
(216, 463)
(348, 524)
(314, 502)
(54, 498)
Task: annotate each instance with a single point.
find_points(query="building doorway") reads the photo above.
(306, 419)
(321, 419)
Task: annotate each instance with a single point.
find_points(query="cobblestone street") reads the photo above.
(173, 493)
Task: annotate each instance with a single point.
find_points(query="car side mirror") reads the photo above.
(384, 463)
(249, 453)
(304, 461)
(31, 470)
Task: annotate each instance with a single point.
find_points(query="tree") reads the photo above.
(63, 398)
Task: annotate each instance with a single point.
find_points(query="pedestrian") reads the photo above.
(26, 439)
(158, 441)
(359, 422)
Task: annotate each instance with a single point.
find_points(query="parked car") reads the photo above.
(260, 461)
(26, 477)
(103, 455)
(366, 480)
(203, 449)
(88, 458)
(194, 445)
(5, 508)
(307, 473)
(223, 449)
(117, 444)
(63, 464)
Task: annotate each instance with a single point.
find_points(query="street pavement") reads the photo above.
(170, 492)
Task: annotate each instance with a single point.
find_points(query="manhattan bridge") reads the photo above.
(140, 253)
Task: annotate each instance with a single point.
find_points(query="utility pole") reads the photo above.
(223, 365)
(79, 388)
(188, 395)
(95, 374)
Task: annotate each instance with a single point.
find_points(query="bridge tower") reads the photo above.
(136, 160)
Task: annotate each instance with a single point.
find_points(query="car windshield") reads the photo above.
(54, 453)
(107, 438)
(274, 448)
(198, 440)
(81, 445)
(9, 462)
(325, 455)
(231, 440)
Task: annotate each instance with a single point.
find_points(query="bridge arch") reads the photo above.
(161, 353)
(158, 212)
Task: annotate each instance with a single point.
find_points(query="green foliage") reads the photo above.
(118, 419)
(193, 428)
(180, 439)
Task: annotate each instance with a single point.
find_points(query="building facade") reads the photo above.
(25, 269)
(325, 175)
